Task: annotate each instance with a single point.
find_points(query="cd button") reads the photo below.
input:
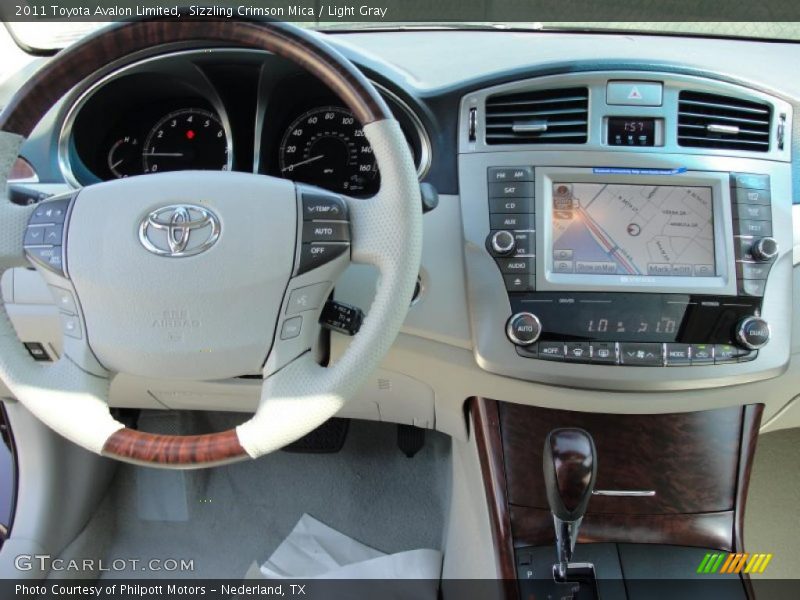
(510, 205)
(678, 355)
(641, 355)
(702, 354)
(551, 350)
(603, 353)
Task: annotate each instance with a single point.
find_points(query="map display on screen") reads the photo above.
(623, 229)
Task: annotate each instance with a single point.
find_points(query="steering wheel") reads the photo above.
(204, 275)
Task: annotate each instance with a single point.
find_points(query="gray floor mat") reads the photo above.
(240, 513)
(772, 519)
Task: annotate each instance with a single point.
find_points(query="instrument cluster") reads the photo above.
(147, 120)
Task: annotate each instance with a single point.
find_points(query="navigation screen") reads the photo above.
(621, 229)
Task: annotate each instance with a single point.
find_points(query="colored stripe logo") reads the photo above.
(733, 563)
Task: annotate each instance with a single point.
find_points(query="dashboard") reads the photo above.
(611, 223)
(239, 111)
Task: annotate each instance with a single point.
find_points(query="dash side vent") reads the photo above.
(723, 122)
(556, 116)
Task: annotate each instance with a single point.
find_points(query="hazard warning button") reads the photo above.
(634, 93)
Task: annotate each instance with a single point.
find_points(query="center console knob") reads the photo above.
(765, 249)
(503, 242)
(753, 333)
(523, 328)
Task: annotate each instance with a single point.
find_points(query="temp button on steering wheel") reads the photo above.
(325, 230)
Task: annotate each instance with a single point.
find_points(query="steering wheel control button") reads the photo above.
(291, 328)
(326, 231)
(753, 333)
(47, 257)
(641, 355)
(306, 298)
(678, 355)
(71, 326)
(53, 234)
(54, 211)
(317, 254)
(323, 206)
(64, 300)
(341, 317)
(34, 236)
(523, 329)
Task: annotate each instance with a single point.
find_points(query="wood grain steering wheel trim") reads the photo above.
(55, 79)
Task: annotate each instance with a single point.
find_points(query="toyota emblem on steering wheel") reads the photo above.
(179, 230)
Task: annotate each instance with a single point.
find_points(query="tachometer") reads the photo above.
(191, 138)
(326, 147)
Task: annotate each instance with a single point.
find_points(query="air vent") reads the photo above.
(539, 117)
(712, 121)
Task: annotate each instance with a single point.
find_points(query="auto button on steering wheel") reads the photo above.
(326, 230)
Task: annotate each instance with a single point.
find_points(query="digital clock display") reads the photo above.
(628, 131)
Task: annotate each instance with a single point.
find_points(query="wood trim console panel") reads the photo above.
(697, 463)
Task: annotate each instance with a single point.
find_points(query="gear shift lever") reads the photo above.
(570, 469)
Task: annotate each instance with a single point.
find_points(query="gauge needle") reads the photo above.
(302, 162)
(176, 154)
(118, 163)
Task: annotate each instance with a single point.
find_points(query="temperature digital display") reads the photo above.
(626, 131)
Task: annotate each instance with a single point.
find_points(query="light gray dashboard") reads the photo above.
(452, 346)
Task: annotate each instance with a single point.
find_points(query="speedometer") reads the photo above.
(326, 147)
(191, 138)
